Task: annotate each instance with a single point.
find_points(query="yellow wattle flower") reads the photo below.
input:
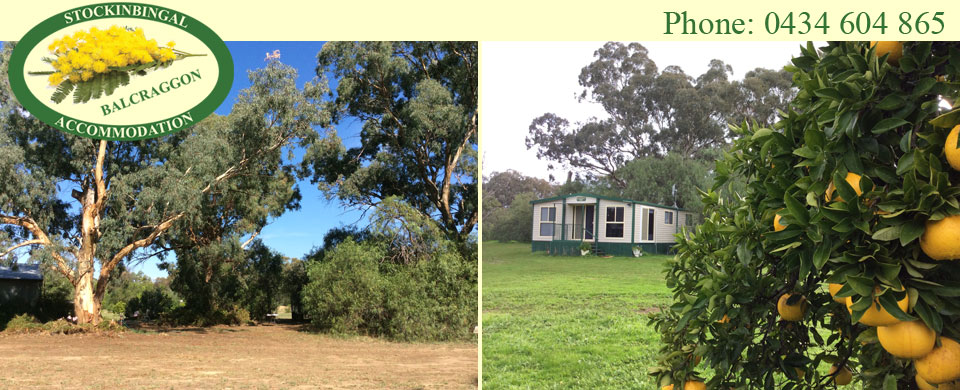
(55, 79)
(84, 54)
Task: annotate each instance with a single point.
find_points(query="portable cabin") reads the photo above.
(20, 287)
(611, 225)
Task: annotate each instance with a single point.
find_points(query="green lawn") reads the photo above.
(568, 322)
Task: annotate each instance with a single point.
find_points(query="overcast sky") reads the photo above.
(523, 80)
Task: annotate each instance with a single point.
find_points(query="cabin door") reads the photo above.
(588, 222)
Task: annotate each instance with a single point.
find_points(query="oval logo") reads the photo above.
(121, 71)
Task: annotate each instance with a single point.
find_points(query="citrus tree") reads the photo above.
(836, 263)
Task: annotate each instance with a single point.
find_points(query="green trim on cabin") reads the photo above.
(563, 220)
(611, 198)
(622, 249)
(596, 225)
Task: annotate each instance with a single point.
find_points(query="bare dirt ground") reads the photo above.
(240, 357)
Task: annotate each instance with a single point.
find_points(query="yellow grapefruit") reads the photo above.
(894, 48)
(777, 226)
(834, 289)
(724, 320)
(852, 179)
(939, 239)
(694, 385)
(950, 149)
(667, 387)
(843, 377)
(907, 339)
(942, 364)
(876, 315)
(949, 386)
(791, 312)
(921, 384)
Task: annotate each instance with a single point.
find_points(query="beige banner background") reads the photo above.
(495, 20)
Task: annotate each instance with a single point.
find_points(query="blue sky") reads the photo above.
(296, 232)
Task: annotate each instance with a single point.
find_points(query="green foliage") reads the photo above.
(334, 237)
(25, 323)
(652, 112)
(513, 222)
(214, 271)
(507, 214)
(262, 277)
(101, 84)
(56, 299)
(355, 292)
(229, 289)
(856, 113)
(125, 286)
(63, 90)
(408, 282)
(668, 180)
(294, 279)
(418, 102)
(346, 293)
(151, 304)
(505, 186)
(22, 323)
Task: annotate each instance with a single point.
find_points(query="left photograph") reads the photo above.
(316, 229)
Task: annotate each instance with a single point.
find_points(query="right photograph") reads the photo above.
(742, 215)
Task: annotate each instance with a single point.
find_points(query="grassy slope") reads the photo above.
(568, 322)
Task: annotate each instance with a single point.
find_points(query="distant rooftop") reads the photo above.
(23, 272)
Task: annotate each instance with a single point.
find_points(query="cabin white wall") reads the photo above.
(662, 231)
(627, 217)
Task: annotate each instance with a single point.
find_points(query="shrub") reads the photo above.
(186, 316)
(61, 326)
(118, 307)
(56, 301)
(346, 291)
(151, 304)
(22, 323)
(855, 175)
(356, 291)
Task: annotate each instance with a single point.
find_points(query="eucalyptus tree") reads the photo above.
(84, 206)
(653, 112)
(418, 105)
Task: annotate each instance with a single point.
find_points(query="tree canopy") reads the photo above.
(830, 231)
(418, 104)
(130, 196)
(653, 113)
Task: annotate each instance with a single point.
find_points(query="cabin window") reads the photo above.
(615, 222)
(548, 216)
(668, 217)
(687, 220)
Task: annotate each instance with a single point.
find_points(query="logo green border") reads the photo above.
(54, 23)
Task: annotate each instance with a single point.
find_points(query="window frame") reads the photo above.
(618, 219)
(551, 213)
(667, 214)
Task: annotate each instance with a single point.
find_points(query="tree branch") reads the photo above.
(41, 239)
(105, 269)
(244, 245)
(21, 245)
